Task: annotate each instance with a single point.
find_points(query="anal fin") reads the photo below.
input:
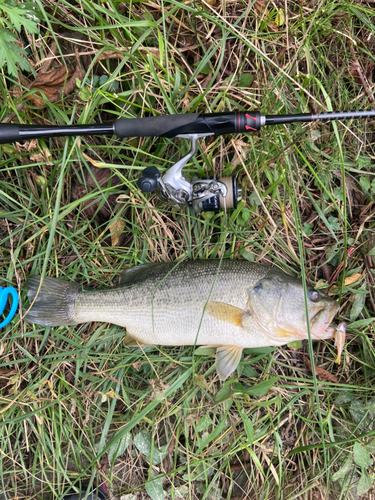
(227, 359)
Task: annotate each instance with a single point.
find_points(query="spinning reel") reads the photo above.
(173, 187)
(202, 195)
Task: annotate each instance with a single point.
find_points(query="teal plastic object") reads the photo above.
(5, 293)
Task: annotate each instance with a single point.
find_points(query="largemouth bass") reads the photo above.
(225, 304)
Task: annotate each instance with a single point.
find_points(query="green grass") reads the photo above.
(75, 403)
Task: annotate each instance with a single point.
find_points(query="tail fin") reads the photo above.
(54, 301)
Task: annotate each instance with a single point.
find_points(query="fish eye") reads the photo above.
(314, 296)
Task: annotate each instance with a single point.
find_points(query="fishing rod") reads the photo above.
(175, 188)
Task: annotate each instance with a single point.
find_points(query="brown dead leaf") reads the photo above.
(171, 445)
(55, 76)
(201, 382)
(31, 145)
(116, 229)
(54, 84)
(321, 373)
(27, 145)
(206, 81)
(42, 158)
(65, 261)
(353, 70)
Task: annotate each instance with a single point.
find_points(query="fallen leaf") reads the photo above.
(27, 145)
(321, 373)
(44, 157)
(55, 84)
(206, 81)
(353, 278)
(137, 365)
(171, 445)
(116, 228)
(65, 261)
(54, 76)
(200, 381)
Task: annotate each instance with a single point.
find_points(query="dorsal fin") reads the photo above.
(134, 274)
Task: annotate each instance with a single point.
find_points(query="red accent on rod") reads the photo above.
(252, 117)
(250, 128)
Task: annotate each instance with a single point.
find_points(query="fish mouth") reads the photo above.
(321, 321)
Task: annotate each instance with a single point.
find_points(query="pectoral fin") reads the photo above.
(227, 359)
(227, 313)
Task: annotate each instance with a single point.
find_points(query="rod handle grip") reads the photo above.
(154, 126)
(9, 132)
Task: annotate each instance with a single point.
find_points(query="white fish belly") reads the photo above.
(184, 328)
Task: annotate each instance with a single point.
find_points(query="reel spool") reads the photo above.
(224, 194)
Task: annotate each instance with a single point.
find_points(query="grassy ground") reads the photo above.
(75, 402)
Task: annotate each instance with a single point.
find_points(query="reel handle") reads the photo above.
(149, 181)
